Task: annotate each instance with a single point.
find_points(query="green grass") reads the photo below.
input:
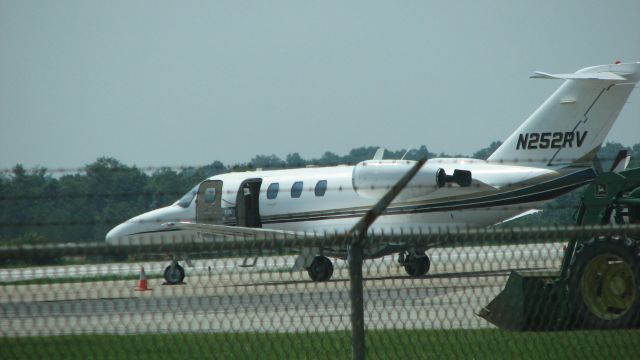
(68, 280)
(383, 344)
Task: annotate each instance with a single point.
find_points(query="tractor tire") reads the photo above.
(604, 283)
(634, 214)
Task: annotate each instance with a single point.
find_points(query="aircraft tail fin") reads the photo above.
(570, 126)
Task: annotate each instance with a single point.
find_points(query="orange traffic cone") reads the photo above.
(142, 283)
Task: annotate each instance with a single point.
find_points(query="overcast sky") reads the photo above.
(166, 83)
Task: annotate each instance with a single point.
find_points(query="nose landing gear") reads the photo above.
(174, 273)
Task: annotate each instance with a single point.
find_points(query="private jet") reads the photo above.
(551, 153)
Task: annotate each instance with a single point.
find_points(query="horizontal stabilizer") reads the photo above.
(607, 75)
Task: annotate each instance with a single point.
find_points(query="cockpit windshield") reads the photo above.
(188, 197)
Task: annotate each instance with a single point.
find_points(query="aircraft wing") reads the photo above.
(225, 231)
(528, 212)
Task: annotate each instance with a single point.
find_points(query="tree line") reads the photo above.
(37, 205)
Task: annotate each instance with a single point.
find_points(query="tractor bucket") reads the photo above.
(531, 300)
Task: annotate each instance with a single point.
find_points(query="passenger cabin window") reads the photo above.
(296, 189)
(272, 190)
(321, 188)
(210, 196)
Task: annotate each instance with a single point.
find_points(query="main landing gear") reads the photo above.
(416, 263)
(321, 269)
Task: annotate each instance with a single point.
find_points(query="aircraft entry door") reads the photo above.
(208, 202)
(248, 204)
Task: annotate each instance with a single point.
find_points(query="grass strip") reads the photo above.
(381, 344)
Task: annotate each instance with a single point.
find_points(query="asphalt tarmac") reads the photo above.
(219, 296)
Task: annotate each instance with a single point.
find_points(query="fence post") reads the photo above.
(357, 301)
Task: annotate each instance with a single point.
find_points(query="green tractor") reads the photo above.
(598, 286)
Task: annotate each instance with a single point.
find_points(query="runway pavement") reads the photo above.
(220, 296)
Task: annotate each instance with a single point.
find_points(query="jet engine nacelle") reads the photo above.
(374, 178)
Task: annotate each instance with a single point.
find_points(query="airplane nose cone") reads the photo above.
(115, 235)
(147, 224)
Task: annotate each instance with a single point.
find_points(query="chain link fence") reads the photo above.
(525, 289)
(240, 298)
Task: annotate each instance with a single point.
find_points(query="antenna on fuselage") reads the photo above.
(379, 155)
(405, 154)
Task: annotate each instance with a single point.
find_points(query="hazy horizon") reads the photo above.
(159, 83)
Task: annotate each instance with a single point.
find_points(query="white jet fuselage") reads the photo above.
(332, 199)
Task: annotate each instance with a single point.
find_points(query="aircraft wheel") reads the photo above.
(634, 214)
(174, 274)
(604, 283)
(416, 265)
(321, 269)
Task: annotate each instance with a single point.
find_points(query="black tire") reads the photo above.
(417, 266)
(604, 283)
(174, 276)
(634, 214)
(321, 269)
